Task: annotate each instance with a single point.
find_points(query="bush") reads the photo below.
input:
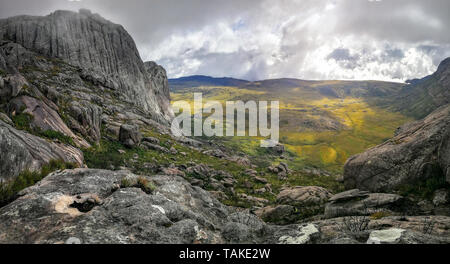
(146, 185)
(9, 191)
(379, 215)
(51, 134)
(22, 121)
(141, 183)
(104, 156)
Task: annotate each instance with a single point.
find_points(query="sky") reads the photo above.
(391, 40)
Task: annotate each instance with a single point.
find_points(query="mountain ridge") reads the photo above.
(105, 51)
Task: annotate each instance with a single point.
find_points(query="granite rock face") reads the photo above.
(105, 51)
(44, 117)
(98, 206)
(419, 151)
(21, 151)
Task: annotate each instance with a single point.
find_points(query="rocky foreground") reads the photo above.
(75, 94)
(98, 206)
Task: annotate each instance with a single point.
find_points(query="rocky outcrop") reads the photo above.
(130, 136)
(160, 83)
(21, 151)
(402, 236)
(295, 204)
(96, 206)
(419, 151)
(86, 119)
(43, 118)
(356, 202)
(10, 86)
(104, 51)
(304, 196)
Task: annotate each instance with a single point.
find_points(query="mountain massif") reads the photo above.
(86, 155)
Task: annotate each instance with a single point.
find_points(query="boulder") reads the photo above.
(215, 153)
(402, 236)
(151, 146)
(304, 196)
(278, 149)
(419, 151)
(151, 140)
(130, 136)
(86, 119)
(280, 214)
(307, 234)
(21, 151)
(44, 117)
(356, 202)
(11, 86)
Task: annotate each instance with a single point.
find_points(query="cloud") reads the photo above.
(260, 39)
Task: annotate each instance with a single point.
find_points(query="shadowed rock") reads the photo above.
(21, 151)
(419, 151)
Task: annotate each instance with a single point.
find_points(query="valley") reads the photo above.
(87, 154)
(322, 123)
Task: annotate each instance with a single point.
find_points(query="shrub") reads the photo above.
(51, 134)
(104, 156)
(146, 185)
(22, 121)
(141, 183)
(379, 215)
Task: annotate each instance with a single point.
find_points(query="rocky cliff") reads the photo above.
(104, 51)
(67, 78)
(418, 152)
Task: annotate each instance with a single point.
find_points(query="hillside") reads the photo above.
(423, 96)
(322, 123)
(87, 154)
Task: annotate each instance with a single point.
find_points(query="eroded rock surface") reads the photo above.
(104, 50)
(21, 151)
(356, 202)
(98, 206)
(418, 152)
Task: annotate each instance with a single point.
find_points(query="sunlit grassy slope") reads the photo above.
(321, 123)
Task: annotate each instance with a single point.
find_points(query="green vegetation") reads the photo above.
(9, 190)
(113, 155)
(2, 73)
(379, 215)
(23, 121)
(141, 183)
(317, 129)
(51, 134)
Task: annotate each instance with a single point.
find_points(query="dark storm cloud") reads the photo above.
(258, 39)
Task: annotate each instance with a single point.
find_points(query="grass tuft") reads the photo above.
(9, 190)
